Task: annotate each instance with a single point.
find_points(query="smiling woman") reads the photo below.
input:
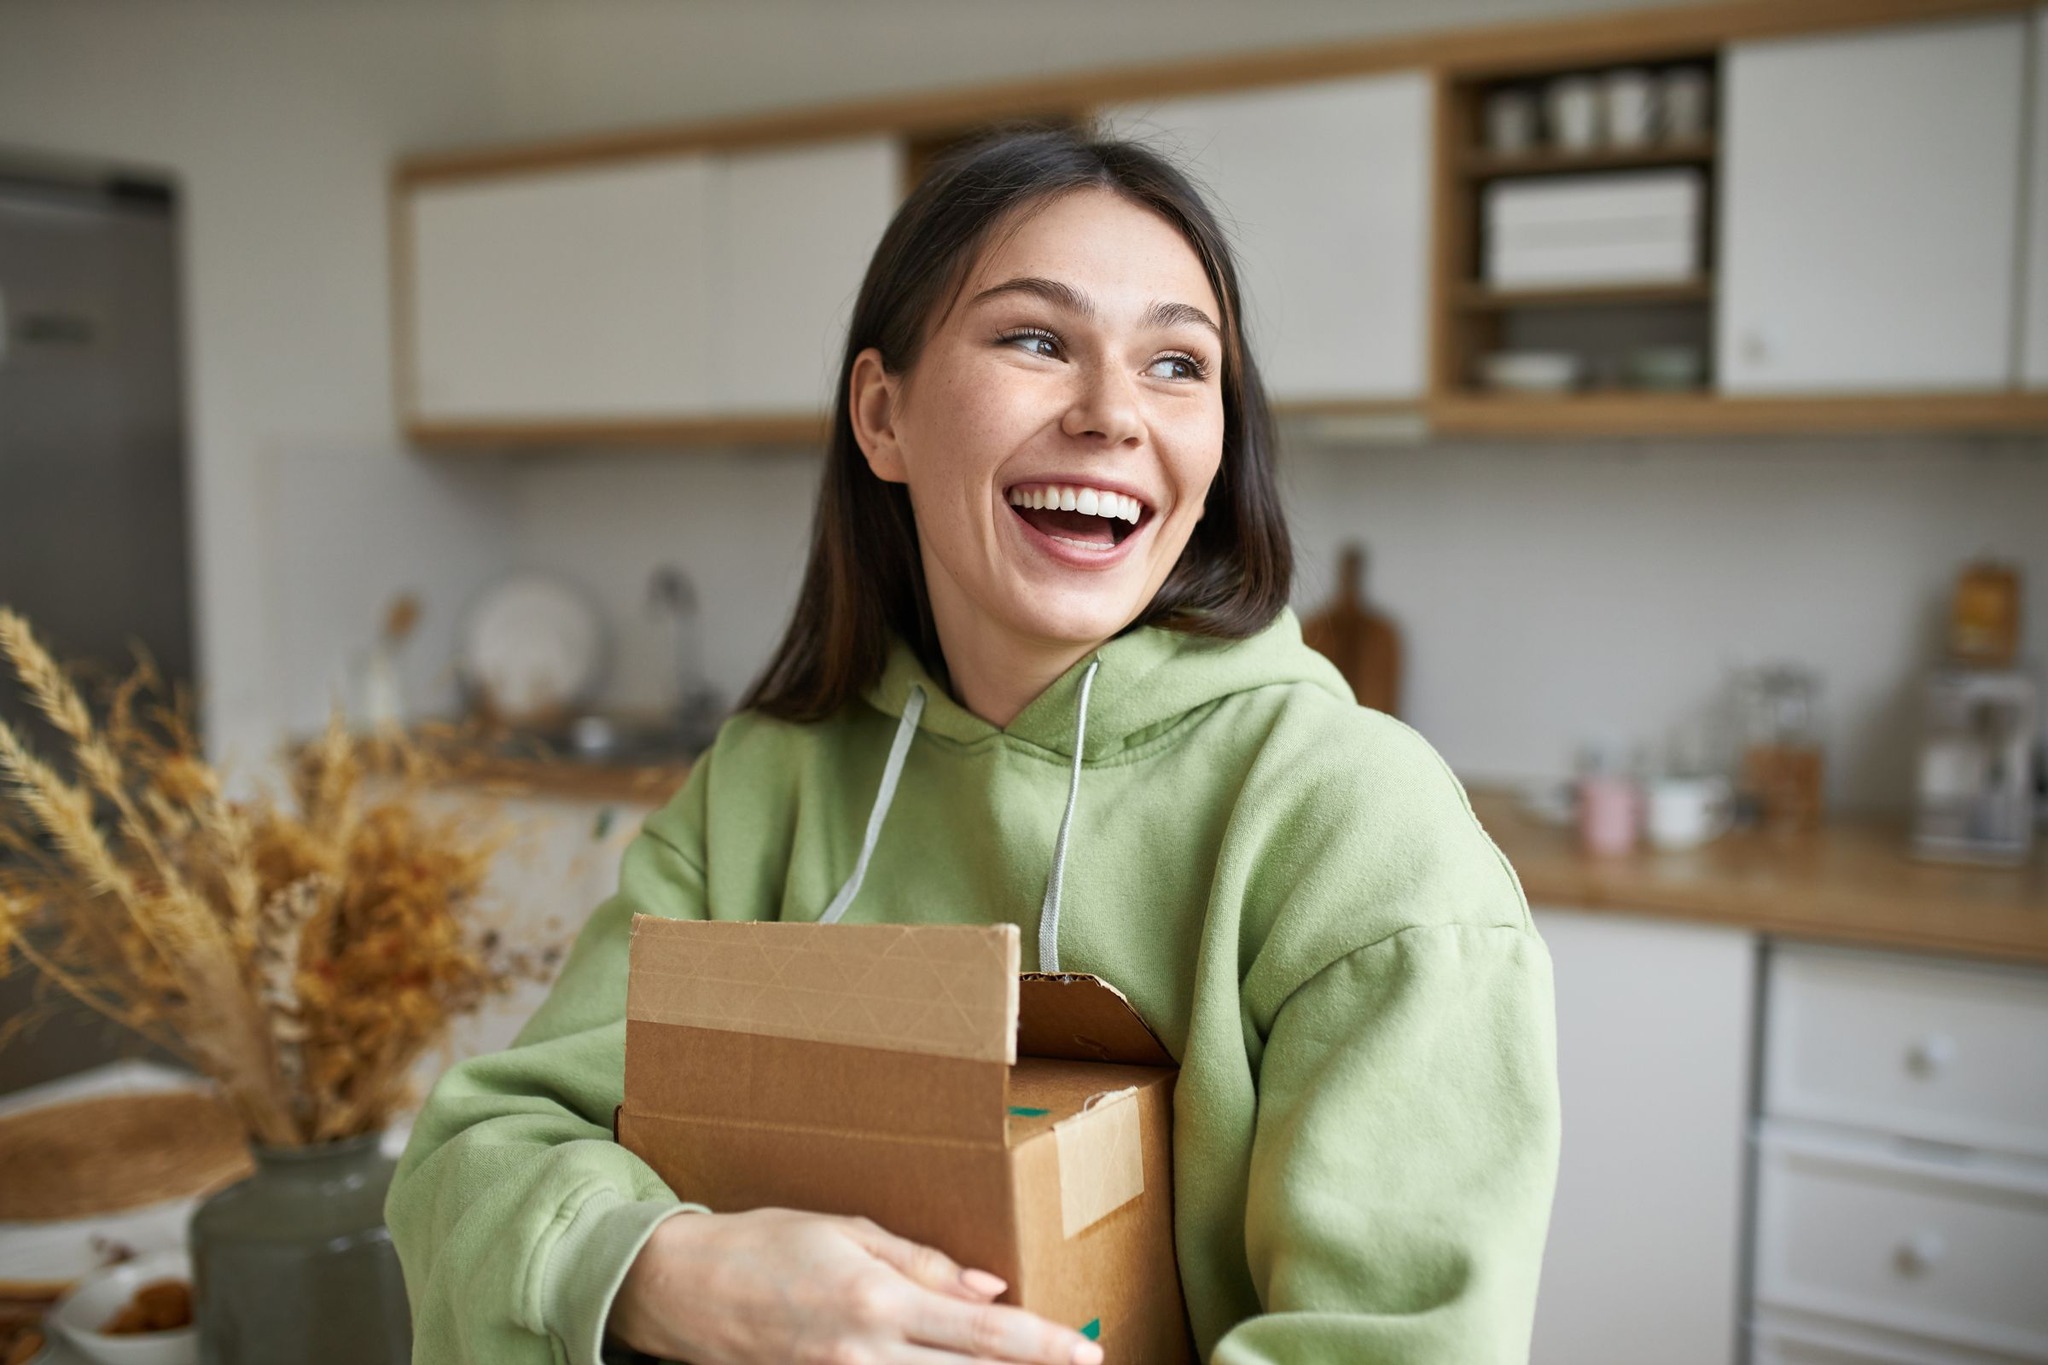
(1045, 315)
(1041, 672)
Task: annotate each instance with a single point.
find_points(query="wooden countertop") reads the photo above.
(472, 762)
(644, 784)
(1853, 882)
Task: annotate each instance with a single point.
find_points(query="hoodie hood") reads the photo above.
(1147, 680)
(1117, 696)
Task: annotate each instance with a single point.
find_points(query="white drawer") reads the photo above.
(1930, 1048)
(1781, 1338)
(1851, 1227)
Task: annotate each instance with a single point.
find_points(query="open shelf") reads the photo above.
(1480, 298)
(1479, 164)
(1701, 413)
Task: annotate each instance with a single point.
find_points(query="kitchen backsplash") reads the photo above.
(1550, 594)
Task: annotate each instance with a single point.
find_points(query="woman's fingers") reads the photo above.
(927, 1266)
(993, 1331)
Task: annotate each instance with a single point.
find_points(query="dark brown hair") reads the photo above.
(865, 577)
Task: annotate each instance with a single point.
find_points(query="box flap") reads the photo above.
(1083, 1019)
(934, 990)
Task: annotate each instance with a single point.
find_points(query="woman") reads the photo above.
(1041, 671)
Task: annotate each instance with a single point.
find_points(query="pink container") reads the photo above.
(1610, 815)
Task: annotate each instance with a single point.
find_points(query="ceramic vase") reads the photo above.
(295, 1263)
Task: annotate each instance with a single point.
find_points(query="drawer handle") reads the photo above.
(1919, 1253)
(1930, 1056)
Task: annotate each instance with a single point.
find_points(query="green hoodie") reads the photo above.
(1292, 890)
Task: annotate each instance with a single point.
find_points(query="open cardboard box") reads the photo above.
(908, 1073)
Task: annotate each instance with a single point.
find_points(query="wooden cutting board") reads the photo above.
(1365, 645)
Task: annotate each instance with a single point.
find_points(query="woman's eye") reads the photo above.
(1032, 340)
(1189, 367)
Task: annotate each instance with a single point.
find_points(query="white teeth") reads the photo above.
(1094, 502)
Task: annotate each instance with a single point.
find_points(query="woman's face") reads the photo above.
(1061, 428)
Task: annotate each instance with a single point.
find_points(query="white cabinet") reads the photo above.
(1902, 1175)
(572, 294)
(1654, 1026)
(1870, 209)
(794, 230)
(675, 287)
(1324, 190)
(2034, 322)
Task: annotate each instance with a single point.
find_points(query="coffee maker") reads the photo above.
(1983, 713)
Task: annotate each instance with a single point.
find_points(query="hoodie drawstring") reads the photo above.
(892, 770)
(1049, 912)
(884, 794)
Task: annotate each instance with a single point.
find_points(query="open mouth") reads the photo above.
(1090, 518)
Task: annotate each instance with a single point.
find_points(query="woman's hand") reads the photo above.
(779, 1286)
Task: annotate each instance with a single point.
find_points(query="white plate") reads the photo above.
(533, 646)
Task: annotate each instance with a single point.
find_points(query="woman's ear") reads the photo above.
(872, 398)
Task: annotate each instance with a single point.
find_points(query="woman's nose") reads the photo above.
(1105, 406)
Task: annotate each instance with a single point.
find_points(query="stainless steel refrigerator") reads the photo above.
(93, 518)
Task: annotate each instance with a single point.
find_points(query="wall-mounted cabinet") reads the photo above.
(1871, 208)
(1862, 208)
(2034, 317)
(579, 295)
(1325, 192)
(660, 297)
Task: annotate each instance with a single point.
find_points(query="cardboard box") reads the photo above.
(907, 1073)
(1636, 227)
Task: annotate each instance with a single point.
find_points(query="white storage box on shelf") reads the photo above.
(1637, 227)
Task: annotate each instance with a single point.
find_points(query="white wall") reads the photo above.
(1548, 591)
(1549, 594)
(281, 122)
(1552, 594)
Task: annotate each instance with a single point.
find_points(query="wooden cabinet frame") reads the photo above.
(1453, 56)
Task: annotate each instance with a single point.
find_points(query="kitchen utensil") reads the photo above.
(532, 647)
(1365, 645)
(1531, 371)
(1984, 620)
(1685, 812)
(80, 1314)
(1684, 97)
(1610, 813)
(1629, 105)
(1976, 786)
(1571, 105)
(1511, 120)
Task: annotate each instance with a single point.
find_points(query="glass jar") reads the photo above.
(1782, 774)
(295, 1263)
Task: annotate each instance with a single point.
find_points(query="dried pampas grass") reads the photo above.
(304, 956)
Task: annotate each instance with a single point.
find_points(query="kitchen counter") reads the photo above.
(474, 764)
(649, 784)
(1852, 882)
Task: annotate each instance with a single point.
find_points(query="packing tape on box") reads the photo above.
(1102, 1160)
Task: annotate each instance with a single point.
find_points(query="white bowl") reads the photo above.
(80, 1314)
(1531, 371)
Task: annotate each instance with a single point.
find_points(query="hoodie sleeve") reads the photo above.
(1402, 1036)
(514, 1213)
(1404, 1155)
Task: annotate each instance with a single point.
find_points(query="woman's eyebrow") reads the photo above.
(1065, 296)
